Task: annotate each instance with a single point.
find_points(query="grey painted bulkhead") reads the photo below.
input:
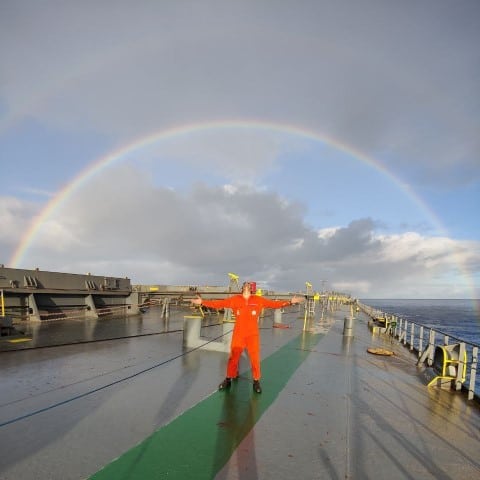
(37, 295)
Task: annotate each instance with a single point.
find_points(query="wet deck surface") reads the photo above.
(329, 409)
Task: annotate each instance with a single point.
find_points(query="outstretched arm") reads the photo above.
(281, 303)
(296, 299)
(217, 304)
(197, 300)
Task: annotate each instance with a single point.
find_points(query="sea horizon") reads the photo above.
(459, 318)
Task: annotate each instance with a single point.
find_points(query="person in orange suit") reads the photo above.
(246, 308)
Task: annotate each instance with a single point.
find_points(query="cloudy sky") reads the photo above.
(331, 142)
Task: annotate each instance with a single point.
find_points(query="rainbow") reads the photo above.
(141, 143)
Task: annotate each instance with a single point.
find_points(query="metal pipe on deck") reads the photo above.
(192, 335)
(348, 324)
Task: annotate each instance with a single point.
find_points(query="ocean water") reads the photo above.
(459, 319)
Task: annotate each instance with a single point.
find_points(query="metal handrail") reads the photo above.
(412, 335)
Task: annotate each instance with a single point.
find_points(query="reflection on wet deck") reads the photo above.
(63, 332)
(328, 409)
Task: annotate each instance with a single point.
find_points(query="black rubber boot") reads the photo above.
(227, 383)
(256, 386)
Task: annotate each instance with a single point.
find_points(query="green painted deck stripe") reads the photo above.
(198, 443)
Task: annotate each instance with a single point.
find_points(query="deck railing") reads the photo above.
(423, 341)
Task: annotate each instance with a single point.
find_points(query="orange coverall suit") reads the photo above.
(245, 332)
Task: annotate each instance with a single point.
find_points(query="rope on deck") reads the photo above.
(103, 387)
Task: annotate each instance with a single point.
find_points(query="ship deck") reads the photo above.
(146, 407)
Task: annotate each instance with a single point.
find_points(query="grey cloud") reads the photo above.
(398, 81)
(122, 224)
(177, 226)
(158, 235)
(355, 239)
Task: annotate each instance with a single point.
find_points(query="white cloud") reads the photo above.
(429, 252)
(15, 218)
(158, 235)
(327, 233)
(63, 236)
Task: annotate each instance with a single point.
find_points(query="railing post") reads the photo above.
(461, 367)
(165, 309)
(420, 341)
(431, 346)
(473, 373)
(426, 355)
(227, 315)
(412, 332)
